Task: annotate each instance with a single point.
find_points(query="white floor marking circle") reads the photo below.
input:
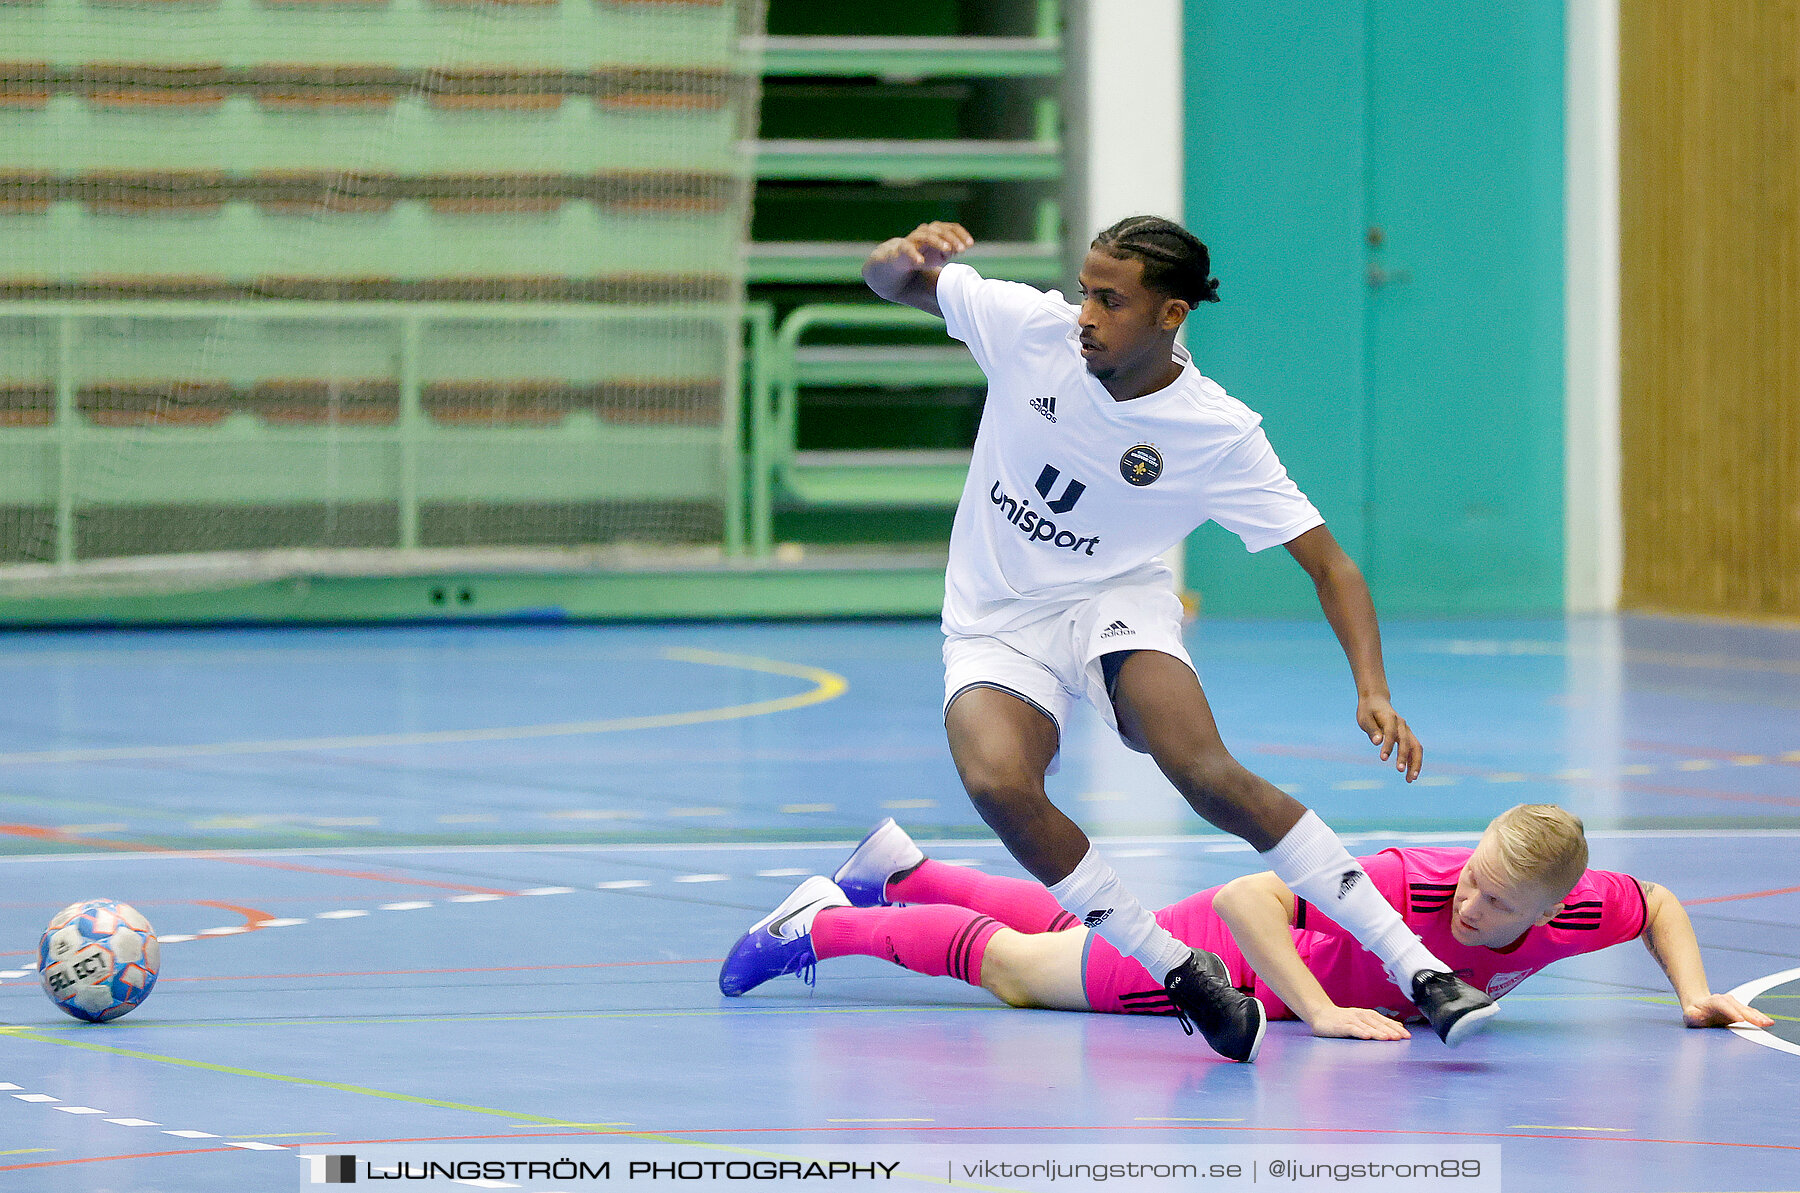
(1750, 990)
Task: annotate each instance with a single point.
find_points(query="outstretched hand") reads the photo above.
(1722, 1010)
(1395, 737)
(927, 246)
(1357, 1023)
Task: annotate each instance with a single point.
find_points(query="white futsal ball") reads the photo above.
(98, 960)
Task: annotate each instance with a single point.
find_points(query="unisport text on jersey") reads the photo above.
(1036, 527)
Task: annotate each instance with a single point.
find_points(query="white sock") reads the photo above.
(1316, 866)
(1093, 893)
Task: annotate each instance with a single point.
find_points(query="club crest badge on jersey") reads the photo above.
(1141, 465)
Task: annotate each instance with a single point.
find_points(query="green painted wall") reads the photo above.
(1423, 415)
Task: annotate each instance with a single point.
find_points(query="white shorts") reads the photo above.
(1054, 660)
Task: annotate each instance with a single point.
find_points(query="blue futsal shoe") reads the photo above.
(885, 852)
(781, 942)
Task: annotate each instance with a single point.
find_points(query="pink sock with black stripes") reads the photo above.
(1016, 902)
(936, 939)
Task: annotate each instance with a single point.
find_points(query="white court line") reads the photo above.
(1750, 990)
(1198, 839)
(138, 1122)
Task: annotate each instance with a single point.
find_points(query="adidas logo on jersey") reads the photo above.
(1045, 407)
(1115, 629)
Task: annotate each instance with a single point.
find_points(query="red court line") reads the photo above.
(1781, 801)
(1321, 755)
(678, 1132)
(37, 832)
(369, 875)
(1786, 890)
(1660, 747)
(253, 919)
(310, 897)
(253, 922)
(198, 1151)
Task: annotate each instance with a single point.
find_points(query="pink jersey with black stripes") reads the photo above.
(1604, 908)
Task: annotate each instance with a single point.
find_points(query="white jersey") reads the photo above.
(1072, 492)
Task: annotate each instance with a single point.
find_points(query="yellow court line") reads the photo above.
(390, 1095)
(1560, 1127)
(531, 1017)
(19, 1033)
(26, 1151)
(828, 685)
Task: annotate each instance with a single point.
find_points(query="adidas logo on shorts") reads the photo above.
(1115, 629)
(1045, 407)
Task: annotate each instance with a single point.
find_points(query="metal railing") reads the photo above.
(411, 433)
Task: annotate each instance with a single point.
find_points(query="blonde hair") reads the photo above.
(1541, 844)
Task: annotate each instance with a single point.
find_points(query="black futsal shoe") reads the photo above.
(1231, 1021)
(1455, 1009)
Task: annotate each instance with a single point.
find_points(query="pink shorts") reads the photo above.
(1118, 985)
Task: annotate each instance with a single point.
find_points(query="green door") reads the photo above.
(1381, 185)
(1464, 313)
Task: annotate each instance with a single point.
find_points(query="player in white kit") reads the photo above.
(1100, 446)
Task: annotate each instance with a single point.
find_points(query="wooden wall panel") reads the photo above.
(1710, 298)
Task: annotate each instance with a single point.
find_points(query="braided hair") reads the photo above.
(1175, 262)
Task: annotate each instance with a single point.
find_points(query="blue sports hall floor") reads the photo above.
(472, 884)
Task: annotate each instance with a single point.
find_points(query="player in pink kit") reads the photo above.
(1498, 913)
(1101, 445)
